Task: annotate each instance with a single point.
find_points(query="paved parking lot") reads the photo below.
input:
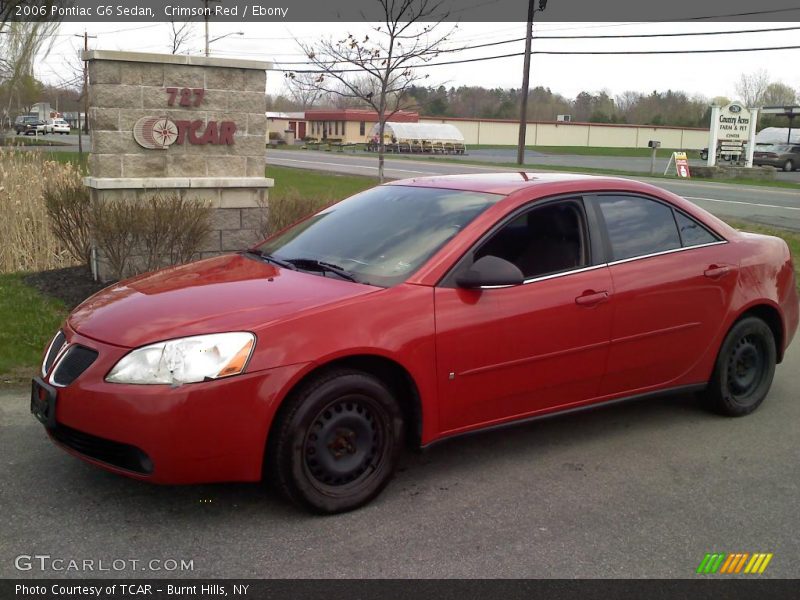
(637, 490)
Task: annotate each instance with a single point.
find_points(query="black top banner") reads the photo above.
(321, 11)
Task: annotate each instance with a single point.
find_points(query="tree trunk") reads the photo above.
(381, 130)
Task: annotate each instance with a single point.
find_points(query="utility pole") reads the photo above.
(85, 127)
(526, 75)
(205, 17)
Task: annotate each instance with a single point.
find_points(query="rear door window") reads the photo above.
(638, 226)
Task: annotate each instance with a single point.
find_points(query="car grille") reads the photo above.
(76, 360)
(116, 454)
(55, 347)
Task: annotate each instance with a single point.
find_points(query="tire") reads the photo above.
(744, 369)
(336, 442)
(788, 166)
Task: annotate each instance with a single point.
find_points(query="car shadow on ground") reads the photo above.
(419, 472)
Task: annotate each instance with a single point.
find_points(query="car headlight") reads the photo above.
(186, 360)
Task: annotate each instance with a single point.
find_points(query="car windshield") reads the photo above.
(380, 236)
(773, 148)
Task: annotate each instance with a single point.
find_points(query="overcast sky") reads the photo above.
(705, 74)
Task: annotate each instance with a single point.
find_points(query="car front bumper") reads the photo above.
(194, 433)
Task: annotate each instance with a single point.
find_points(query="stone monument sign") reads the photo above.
(185, 125)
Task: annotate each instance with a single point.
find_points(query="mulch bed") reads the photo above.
(71, 285)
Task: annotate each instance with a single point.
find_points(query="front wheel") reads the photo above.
(788, 166)
(335, 445)
(744, 369)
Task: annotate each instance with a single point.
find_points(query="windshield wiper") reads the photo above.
(269, 258)
(313, 263)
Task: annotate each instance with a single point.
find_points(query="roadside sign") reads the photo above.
(681, 164)
(731, 148)
(733, 123)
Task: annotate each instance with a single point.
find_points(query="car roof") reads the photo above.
(513, 181)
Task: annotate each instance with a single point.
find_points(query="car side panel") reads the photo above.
(396, 323)
(508, 352)
(667, 314)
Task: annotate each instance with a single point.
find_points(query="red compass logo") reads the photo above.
(155, 133)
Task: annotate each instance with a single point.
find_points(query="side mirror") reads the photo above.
(490, 270)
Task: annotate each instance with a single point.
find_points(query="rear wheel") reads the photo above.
(744, 369)
(788, 166)
(336, 443)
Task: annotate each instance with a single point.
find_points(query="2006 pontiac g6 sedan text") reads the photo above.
(409, 313)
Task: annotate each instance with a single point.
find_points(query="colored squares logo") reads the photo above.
(735, 563)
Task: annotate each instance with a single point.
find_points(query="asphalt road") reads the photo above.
(769, 205)
(632, 163)
(637, 490)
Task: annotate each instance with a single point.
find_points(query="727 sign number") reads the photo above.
(188, 96)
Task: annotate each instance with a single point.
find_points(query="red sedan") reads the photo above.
(410, 313)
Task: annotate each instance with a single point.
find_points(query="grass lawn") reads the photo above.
(31, 141)
(306, 183)
(28, 321)
(70, 157)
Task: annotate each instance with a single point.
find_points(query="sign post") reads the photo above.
(713, 136)
(751, 139)
(655, 145)
(731, 127)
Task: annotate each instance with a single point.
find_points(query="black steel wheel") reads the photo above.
(335, 444)
(744, 369)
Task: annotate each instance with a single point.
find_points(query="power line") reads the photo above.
(557, 52)
(744, 14)
(576, 37)
(655, 35)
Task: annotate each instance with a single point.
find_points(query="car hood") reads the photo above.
(227, 293)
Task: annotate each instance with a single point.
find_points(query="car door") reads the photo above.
(672, 285)
(513, 351)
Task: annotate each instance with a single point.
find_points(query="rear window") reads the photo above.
(692, 232)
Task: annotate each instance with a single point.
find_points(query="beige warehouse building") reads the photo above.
(353, 126)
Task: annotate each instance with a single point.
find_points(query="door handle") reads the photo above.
(591, 298)
(717, 271)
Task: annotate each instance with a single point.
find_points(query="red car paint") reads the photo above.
(476, 357)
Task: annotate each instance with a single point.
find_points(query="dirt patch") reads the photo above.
(71, 285)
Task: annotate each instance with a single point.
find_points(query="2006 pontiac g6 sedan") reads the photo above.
(409, 313)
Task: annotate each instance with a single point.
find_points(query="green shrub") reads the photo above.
(290, 207)
(150, 233)
(66, 200)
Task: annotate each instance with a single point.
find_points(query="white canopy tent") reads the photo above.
(432, 132)
(778, 135)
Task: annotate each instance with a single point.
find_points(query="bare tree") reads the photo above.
(752, 86)
(302, 89)
(779, 94)
(379, 69)
(179, 36)
(20, 44)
